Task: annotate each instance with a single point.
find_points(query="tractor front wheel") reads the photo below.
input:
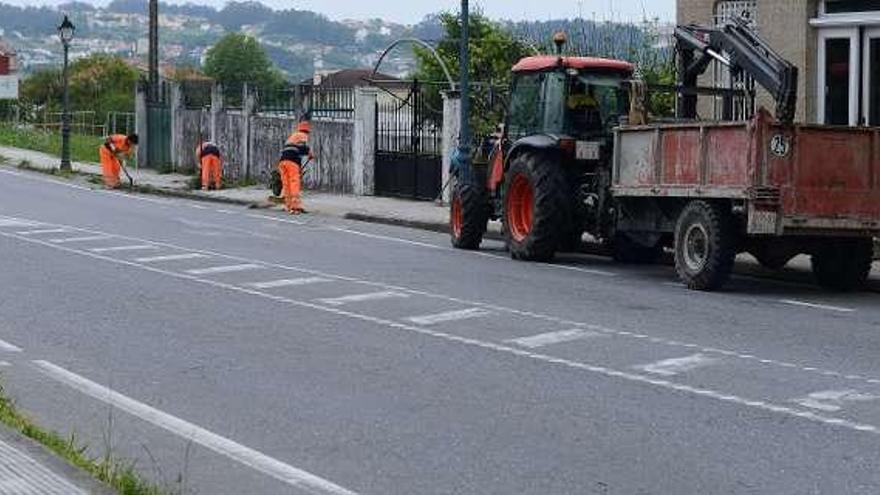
(468, 215)
(535, 207)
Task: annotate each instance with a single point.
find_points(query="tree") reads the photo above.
(493, 52)
(238, 59)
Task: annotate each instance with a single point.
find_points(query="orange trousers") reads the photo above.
(292, 185)
(212, 171)
(109, 167)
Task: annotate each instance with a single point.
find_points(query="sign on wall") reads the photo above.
(9, 87)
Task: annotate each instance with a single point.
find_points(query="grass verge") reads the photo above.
(117, 475)
(82, 148)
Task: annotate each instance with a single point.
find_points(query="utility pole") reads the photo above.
(464, 137)
(153, 61)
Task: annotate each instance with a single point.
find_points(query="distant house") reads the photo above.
(354, 78)
(8, 59)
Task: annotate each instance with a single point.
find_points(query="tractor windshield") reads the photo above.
(593, 105)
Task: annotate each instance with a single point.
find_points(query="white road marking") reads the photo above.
(825, 307)
(224, 269)
(551, 338)
(370, 296)
(135, 247)
(170, 257)
(42, 231)
(6, 346)
(87, 238)
(5, 364)
(491, 346)
(462, 314)
(287, 282)
(14, 222)
(198, 207)
(191, 432)
(488, 306)
(674, 366)
(834, 400)
(276, 219)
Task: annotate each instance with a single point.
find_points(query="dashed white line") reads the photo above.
(14, 222)
(675, 366)
(224, 269)
(834, 400)
(87, 238)
(371, 296)
(194, 433)
(826, 307)
(43, 231)
(288, 282)
(462, 314)
(550, 338)
(170, 257)
(600, 370)
(114, 249)
(276, 219)
(7, 347)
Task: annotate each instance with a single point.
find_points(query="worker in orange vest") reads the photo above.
(293, 156)
(208, 155)
(116, 147)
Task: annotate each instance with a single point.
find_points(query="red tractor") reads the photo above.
(548, 174)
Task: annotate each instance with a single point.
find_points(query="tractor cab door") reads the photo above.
(594, 104)
(536, 105)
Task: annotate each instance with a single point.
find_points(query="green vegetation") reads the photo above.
(82, 148)
(238, 59)
(119, 476)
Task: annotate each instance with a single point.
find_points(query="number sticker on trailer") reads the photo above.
(587, 150)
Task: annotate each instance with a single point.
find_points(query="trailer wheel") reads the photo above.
(704, 246)
(468, 215)
(624, 249)
(535, 207)
(843, 264)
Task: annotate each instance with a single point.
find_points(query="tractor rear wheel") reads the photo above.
(705, 245)
(843, 264)
(535, 207)
(468, 215)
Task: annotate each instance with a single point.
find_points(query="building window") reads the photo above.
(849, 6)
(728, 10)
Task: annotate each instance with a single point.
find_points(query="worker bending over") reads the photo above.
(117, 147)
(294, 154)
(212, 166)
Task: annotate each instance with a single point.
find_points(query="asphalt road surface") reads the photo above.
(233, 351)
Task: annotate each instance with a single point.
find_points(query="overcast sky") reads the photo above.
(410, 11)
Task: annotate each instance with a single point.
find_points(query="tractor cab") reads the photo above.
(570, 97)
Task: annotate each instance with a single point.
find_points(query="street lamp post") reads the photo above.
(464, 137)
(65, 32)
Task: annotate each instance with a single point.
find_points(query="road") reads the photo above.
(228, 350)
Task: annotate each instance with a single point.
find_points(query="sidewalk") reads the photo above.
(26, 468)
(417, 214)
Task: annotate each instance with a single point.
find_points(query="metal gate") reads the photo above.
(409, 135)
(159, 130)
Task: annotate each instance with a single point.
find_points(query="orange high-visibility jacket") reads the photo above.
(118, 144)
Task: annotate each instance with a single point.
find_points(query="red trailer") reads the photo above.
(790, 188)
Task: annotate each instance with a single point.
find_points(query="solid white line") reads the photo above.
(42, 231)
(287, 282)
(550, 338)
(388, 238)
(275, 219)
(674, 366)
(80, 239)
(825, 307)
(170, 257)
(371, 296)
(461, 314)
(6, 346)
(224, 269)
(191, 432)
(490, 346)
(137, 247)
(14, 222)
